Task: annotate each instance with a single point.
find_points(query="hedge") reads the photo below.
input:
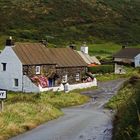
(101, 69)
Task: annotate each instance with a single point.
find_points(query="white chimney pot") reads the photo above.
(84, 49)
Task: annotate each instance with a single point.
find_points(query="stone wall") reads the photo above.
(46, 70)
(55, 73)
(71, 73)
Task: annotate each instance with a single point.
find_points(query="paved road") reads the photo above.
(86, 122)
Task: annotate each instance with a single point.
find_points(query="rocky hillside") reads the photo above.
(69, 20)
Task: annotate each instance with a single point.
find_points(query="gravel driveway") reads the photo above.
(86, 122)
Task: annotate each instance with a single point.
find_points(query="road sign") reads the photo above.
(3, 94)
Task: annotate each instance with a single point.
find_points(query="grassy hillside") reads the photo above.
(65, 21)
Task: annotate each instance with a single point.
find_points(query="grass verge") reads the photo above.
(127, 106)
(23, 112)
(109, 76)
(130, 71)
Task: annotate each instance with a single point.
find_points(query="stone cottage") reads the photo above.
(31, 67)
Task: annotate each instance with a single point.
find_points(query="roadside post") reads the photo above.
(3, 95)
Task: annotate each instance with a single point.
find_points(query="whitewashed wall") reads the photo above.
(137, 61)
(119, 69)
(13, 70)
(71, 87)
(82, 85)
(29, 86)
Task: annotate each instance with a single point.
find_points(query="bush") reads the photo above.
(127, 105)
(101, 69)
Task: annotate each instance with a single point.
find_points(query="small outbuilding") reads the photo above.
(126, 56)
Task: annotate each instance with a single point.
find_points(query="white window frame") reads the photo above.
(37, 69)
(77, 77)
(16, 82)
(64, 78)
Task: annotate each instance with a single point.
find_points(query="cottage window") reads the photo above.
(64, 78)
(77, 78)
(4, 66)
(37, 69)
(16, 82)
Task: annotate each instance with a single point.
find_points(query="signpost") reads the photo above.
(3, 95)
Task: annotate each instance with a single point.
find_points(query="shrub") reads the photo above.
(101, 69)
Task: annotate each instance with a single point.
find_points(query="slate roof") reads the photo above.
(89, 59)
(127, 53)
(37, 53)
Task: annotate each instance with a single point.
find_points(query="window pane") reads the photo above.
(37, 69)
(4, 66)
(16, 82)
(77, 78)
(64, 78)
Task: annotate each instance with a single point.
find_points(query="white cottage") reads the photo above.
(126, 56)
(11, 72)
(31, 67)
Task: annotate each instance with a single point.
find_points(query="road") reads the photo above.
(86, 122)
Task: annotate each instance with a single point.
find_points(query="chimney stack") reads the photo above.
(44, 42)
(84, 48)
(72, 46)
(9, 41)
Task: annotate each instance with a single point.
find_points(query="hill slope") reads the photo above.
(69, 20)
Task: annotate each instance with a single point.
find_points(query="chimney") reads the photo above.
(44, 42)
(9, 41)
(72, 46)
(84, 48)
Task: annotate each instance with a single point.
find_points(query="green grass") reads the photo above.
(121, 98)
(130, 71)
(109, 76)
(104, 49)
(23, 112)
(127, 106)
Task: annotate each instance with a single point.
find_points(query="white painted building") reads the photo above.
(126, 56)
(11, 77)
(13, 64)
(137, 60)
